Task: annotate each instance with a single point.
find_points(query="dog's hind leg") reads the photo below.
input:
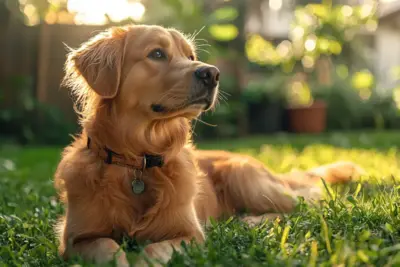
(242, 186)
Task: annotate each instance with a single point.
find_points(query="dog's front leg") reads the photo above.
(101, 251)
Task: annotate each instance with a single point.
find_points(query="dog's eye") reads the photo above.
(191, 58)
(157, 54)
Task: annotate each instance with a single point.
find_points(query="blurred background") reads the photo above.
(287, 65)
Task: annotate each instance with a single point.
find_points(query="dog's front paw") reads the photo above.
(122, 263)
(161, 251)
(155, 255)
(142, 262)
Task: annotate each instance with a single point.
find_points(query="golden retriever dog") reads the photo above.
(133, 170)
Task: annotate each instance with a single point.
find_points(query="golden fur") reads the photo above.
(115, 83)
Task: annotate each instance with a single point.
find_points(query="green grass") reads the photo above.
(357, 225)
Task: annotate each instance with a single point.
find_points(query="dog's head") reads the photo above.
(144, 69)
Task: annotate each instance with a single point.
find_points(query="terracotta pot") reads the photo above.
(311, 119)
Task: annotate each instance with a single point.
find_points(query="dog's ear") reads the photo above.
(99, 62)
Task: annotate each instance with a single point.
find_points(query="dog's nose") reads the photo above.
(208, 75)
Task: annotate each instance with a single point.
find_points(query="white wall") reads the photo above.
(269, 22)
(276, 23)
(387, 54)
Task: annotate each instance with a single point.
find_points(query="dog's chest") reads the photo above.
(140, 202)
(164, 190)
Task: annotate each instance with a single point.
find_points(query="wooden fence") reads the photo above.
(38, 54)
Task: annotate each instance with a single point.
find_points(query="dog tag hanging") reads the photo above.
(137, 186)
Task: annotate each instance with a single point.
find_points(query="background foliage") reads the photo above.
(322, 58)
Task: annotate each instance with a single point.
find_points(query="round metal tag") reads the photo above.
(137, 186)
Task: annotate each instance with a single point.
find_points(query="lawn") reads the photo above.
(358, 224)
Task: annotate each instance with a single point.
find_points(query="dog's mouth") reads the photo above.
(204, 103)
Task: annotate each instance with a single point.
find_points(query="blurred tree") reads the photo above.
(4, 13)
(240, 61)
(36, 9)
(322, 35)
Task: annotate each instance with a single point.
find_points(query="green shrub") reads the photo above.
(347, 110)
(27, 121)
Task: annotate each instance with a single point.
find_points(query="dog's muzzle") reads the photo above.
(203, 92)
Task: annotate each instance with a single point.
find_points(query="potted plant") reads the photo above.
(264, 100)
(305, 112)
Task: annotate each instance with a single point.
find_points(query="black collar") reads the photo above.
(110, 157)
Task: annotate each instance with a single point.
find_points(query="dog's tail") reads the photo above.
(334, 173)
(338, 172)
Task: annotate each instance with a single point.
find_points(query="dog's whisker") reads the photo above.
(206, 123)
(196, 33)
(193, 132)
(220, 101)
(222, 96)
(203, 40)
(214, 108)
(205, 51)
(203, 45)
(223, 99)
(224, 93)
